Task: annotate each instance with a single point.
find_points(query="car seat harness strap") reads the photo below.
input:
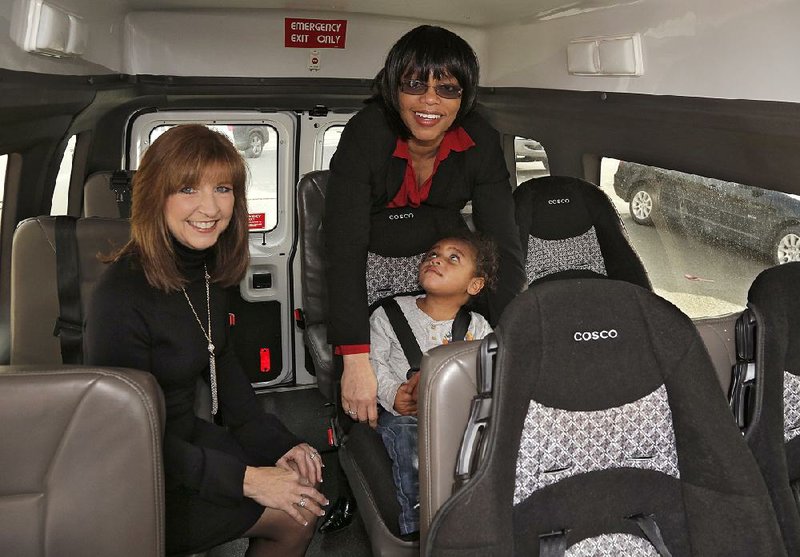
(406, 337)
(554, 544)
(69, 324)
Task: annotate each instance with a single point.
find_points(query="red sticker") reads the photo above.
(314, 33)
(256, 221)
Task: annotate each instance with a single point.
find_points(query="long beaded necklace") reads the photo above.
(212, 362)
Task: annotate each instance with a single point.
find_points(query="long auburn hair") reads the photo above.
(182, 156)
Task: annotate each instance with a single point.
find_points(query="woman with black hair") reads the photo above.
(405, 167)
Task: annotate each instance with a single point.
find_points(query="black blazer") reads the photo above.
(365, 177)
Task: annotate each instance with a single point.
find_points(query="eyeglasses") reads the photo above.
(444, 90)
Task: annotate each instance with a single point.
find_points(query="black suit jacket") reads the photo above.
(365, 177)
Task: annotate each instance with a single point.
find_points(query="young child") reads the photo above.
(451, 272)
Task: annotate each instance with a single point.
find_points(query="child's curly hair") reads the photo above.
(487, 260)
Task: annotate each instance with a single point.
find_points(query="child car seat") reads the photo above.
(770, 411)
(568, 224)
(608, 431)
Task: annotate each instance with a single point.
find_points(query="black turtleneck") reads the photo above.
(131, 324)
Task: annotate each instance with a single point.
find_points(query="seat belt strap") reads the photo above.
(652, 532)
(553, 544)
(121, 186)
(69, 324)
(461, 323)
(404, 333)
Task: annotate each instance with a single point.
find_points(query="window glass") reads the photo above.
(258, 143)
(330, 140)
(531, 159)
(3, 163)
(61, 192)
(702, 240)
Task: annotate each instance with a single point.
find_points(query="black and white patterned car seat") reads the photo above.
(567, 225)
(772, 427)
(608, 435)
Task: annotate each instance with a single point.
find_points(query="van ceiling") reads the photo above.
(479, 13)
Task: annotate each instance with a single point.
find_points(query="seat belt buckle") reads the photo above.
(66, 326)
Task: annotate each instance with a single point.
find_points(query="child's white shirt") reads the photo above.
(386, 354)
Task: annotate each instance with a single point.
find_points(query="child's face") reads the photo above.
(449, 268)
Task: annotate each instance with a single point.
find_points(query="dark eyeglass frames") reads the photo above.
(444, 90)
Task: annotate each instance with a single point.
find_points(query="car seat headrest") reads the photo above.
(774, 293)
(553, 207)
(591, 343)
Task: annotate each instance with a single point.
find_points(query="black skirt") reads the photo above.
(194, 524)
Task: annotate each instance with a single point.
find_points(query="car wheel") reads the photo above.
(255, 145)
(787, 246)
(642, 205)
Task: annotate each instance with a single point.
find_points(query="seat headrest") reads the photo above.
(773, 295)
(593, 343)
(557, 207)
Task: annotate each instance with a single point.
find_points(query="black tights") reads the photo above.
(277, 534)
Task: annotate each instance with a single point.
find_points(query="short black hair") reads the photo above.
(423, 51)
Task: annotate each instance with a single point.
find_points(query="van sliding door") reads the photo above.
(261, 310)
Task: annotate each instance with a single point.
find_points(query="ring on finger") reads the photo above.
(302, 502)
(352, 413)
(312, 456)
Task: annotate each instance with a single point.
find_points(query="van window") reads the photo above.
(3, 164)
(530, 158)
(258, 143)
(59, 205)
(702, 240)
(330, 141)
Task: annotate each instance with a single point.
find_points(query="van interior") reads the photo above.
(686, 115)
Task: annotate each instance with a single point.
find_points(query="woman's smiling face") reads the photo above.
(428, 116)
(197, 214)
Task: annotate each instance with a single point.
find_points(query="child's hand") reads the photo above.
(412, 384)
(405, 401)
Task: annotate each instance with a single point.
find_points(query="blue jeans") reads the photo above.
(399, 434)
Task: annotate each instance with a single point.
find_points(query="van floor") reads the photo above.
(306, 413)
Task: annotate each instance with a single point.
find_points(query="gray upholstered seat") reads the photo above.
(34, 289)
(80, 454)
(98, 198)
(361, 453)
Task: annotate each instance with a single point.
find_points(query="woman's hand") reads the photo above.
(360, 389)
(286, 490)
(305, 460)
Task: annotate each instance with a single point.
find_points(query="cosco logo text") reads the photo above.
(595, 335)
(558, 201)
(401, 216)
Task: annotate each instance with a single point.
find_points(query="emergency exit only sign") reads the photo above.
(314, 33)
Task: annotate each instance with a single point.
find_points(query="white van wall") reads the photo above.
(104, 55)
(743, 49)
(704, 48)
(238, 43)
